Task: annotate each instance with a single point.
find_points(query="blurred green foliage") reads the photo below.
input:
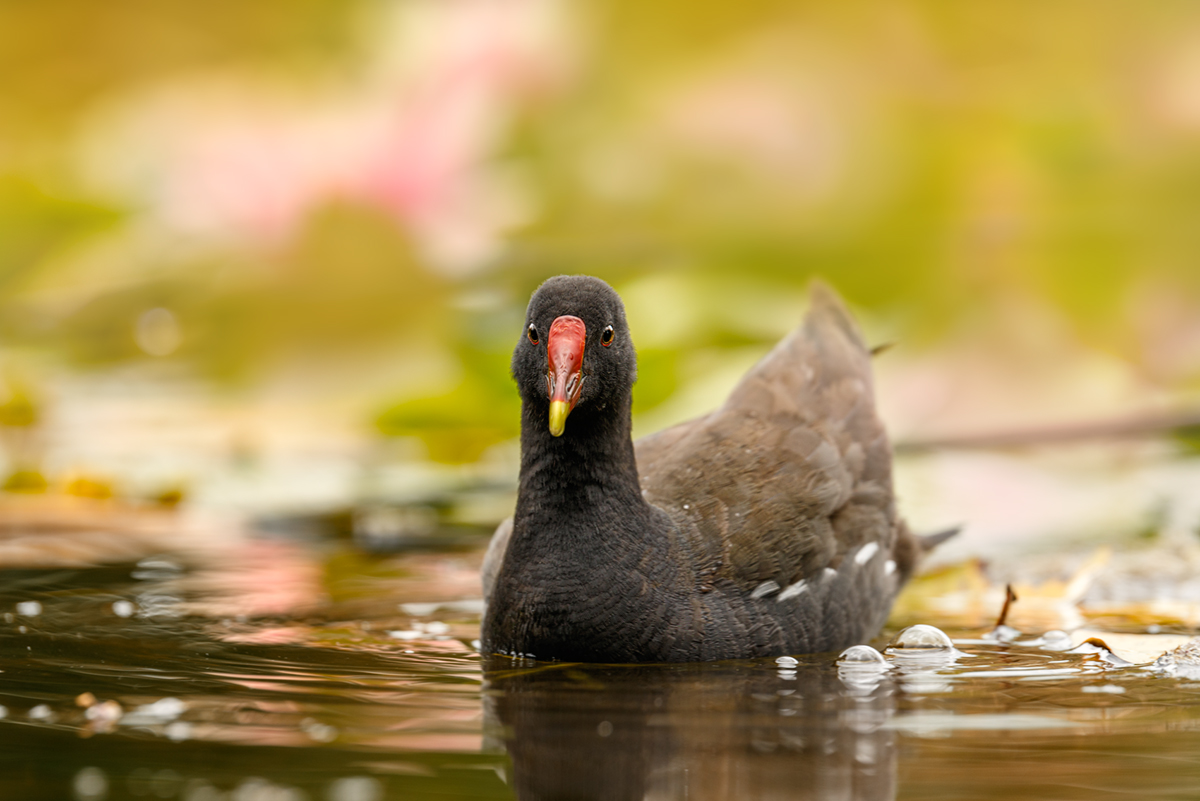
(928, 158)
(60, 57)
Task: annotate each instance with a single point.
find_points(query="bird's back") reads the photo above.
(784, 496)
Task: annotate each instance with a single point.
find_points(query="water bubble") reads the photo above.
(419, 609)
(1055, 640)
(604, 729)
(355, 788)
(405, 634)
(923, 638)
(178, 731)
(254, 789)
(1002, 634)
(29, 608)
(90, 784)
(861, 656)
(164, 710)
(105, 712)
(1113, 689)
(437, 627)
(123, 608)
(786, 662)
(42, 713)
(319, 732)
(861, 669)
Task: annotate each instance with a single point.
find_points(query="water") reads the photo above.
(286, 667)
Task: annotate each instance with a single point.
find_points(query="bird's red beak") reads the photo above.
(564, 373)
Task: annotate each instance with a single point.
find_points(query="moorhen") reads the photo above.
(766, 527)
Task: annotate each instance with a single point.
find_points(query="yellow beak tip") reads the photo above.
(558, 417)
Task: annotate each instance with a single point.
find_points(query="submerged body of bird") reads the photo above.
(767, 527)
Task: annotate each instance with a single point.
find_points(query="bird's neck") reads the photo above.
(577, 483)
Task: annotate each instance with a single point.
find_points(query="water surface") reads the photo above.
(287, 667)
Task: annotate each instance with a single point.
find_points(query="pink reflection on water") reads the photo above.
(258, 578)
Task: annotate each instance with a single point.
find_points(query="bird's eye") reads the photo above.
(532, 333)
(606, 336)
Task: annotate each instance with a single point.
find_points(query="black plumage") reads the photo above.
(764, 528)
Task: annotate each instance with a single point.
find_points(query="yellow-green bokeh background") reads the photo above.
(983, 173)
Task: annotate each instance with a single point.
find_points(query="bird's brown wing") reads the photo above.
(793, 472)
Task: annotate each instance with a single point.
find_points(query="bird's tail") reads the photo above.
(827, 309)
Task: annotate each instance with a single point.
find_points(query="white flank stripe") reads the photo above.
(866, 552)
(766, 588)
(793, 590)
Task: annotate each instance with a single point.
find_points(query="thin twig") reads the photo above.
(1010, 597)
(1122, 428)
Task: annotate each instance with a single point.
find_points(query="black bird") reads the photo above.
(767, 527)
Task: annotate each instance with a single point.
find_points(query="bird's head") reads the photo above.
(575, 351)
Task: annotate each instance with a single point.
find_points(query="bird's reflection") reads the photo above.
(738, 730)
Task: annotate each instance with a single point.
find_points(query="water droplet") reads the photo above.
(604, 729)
(41, 713)
(355, 788)
(29, 608)
(178, 731)
(1113, 689)
(405, 634)
(861, 656)
(419, 609)
(90, 784)
(1002, 634)
(320, 732)
(105, 712)
(164, 710)
(924, 638)
(1055, 640)
(123, 608)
